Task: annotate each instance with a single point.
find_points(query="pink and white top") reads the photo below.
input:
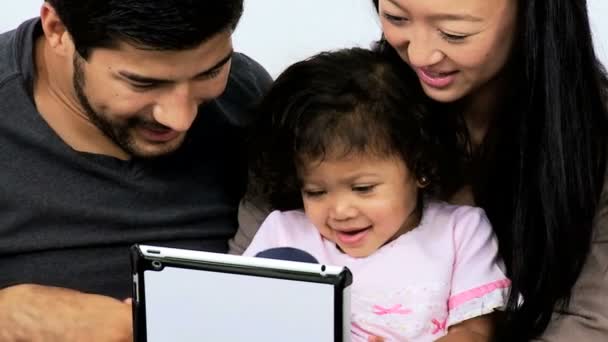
(443, 272)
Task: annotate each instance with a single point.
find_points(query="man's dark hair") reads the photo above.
(151, 25)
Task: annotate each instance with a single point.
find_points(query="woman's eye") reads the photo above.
(454, 38)
(394, 19)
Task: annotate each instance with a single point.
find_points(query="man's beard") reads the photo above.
(119, 133)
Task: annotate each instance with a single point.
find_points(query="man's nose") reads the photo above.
(177, 109)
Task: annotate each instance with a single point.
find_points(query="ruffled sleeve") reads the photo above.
(479, 284)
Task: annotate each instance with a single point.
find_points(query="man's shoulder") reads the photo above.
(14, 47)
(248, 82)
(7, 65)
(249, 74)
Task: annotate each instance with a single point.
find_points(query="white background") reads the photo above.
(280, 32)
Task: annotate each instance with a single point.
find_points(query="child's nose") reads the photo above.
(343, 209)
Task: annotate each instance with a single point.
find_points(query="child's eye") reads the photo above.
(363, 188)
(313, 193)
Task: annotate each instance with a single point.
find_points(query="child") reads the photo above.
(342, 154)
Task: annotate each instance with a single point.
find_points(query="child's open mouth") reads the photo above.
(352, 237)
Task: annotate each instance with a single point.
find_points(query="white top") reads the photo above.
(443, 272)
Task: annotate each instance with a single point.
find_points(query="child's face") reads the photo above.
(360, 202)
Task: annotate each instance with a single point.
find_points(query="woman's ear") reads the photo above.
(55, 32)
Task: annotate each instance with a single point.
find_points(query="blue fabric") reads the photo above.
(287, 253)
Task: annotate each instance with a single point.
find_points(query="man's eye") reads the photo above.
(144, 86)
(214, 73)
(210, 75)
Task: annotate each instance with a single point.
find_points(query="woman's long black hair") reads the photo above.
(541, 170)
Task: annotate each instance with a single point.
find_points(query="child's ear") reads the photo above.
(423, 182)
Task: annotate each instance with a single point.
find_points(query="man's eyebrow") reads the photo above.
(444, 16)
(143, 79)
(217, 65)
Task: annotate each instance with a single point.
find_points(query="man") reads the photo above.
(121, 121)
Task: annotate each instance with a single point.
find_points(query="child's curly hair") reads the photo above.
(351, 101)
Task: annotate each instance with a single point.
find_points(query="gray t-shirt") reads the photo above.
(67, 218)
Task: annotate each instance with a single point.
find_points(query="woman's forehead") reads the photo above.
(450, 9)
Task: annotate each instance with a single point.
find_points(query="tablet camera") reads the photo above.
(157, 265)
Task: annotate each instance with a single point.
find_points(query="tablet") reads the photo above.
(183, 295)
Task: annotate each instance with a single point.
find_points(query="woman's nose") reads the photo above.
(423, 53)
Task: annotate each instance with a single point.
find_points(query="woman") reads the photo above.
(522, 102)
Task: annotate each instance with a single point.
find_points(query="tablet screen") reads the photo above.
(198, 305)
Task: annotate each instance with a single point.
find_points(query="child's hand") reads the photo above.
(375, 339)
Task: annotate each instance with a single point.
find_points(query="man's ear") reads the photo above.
(56, 34)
